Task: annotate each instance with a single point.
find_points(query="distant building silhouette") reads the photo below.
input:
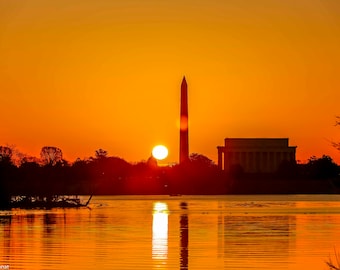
(184, 134)
(255, 155)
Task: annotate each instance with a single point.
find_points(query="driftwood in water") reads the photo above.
(47, 202)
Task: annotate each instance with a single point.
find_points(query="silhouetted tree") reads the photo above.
(322, 168)
(100, 153)
(28, 159)
(30, 177)
(201, 160)
(198, 175)
(6, 154)
(51, 155)
(80, 180)
(8, 176)
(337, 123)
(108, 173)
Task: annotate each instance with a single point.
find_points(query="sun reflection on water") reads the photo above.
(160, 231)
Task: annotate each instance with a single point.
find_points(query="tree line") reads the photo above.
(102, 174)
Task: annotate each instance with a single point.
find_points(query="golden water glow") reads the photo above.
(223, 232)
(160, 231)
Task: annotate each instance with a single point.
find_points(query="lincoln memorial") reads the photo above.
(255, 155)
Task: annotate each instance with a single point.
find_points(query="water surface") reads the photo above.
(182, 232)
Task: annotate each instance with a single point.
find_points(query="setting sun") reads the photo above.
(160, 152)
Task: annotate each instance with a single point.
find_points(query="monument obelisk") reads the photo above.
(184, 133)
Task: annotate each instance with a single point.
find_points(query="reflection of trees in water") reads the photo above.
(5, 220)
(30, 218)
(257, 235)
(50, 220)
(184, 238)
(53, 237)
(5, 225)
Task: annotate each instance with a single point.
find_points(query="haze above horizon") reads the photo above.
(83, 75)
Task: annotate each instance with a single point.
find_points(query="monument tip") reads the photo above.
(184, 82)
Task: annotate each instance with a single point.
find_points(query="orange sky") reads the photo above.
(83, 75)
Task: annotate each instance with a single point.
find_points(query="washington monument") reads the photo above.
(183, 136)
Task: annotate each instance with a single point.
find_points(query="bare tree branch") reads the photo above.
(51, 155)
(337, 121)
